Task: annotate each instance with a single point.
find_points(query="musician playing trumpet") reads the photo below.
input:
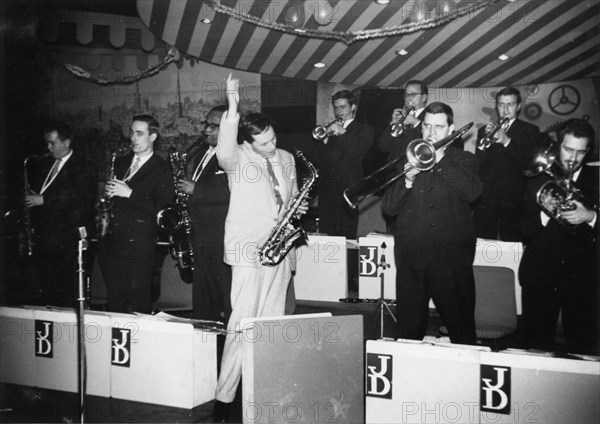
(409, 117)
(339, 158)
(558, 271)
(512, 143)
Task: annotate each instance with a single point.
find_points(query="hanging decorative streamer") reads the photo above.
(172, 56)
(350, 37)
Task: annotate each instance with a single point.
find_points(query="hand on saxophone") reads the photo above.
(118, 188)
(186, 186)
(33, 199)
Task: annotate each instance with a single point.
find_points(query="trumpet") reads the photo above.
(559, 194)
(397, 128)
(321, 132)
(485, 142)
(420, 155)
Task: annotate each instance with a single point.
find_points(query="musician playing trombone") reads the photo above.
(435, 237)
(498, 210)
(558, 271)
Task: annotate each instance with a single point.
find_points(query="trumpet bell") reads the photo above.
(541, 161)
(319, 133)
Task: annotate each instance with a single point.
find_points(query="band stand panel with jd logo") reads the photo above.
(527, 388)
(415, 382)
(374, 251)
(162, 362)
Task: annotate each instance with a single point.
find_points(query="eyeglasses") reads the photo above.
(411, 94)
(209, 125)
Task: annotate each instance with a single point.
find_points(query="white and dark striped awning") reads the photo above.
(545, 40)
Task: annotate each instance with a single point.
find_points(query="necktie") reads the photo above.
(133, 168)
(54, 170)
(278, 197)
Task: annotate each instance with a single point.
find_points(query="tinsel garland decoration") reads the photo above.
(172, 56)
(350, 37)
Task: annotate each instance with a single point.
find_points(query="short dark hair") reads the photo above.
(422, 86)
(251, 124)
(153, 125)
(509, 91)
(62, 129)
(577, 128)
(439, 107)
(344, 94)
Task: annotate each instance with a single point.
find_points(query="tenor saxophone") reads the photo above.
(285, 234)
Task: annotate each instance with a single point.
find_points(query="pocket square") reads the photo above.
(219, 172)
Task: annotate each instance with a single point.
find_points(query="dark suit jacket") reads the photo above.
(501, 167)
(396, 146)
(553, 251)
(434, 225)
(135, 217)
(209, 203)
(340, 160)
(68, 202)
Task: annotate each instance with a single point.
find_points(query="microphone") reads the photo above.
(82, 233)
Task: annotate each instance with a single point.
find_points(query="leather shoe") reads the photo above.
(221, 411)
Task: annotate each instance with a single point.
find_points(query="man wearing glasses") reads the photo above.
(208, 204)
(415, 100)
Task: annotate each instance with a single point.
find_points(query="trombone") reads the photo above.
(321, 132)
(420, 155)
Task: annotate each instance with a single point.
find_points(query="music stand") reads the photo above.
(383, 306)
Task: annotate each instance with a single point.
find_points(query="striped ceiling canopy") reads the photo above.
(363, 42)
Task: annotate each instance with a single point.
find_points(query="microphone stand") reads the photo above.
(81, 246)
(383, 265)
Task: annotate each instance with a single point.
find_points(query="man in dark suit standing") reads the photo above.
(498, 210)
(143, 184)
(558, 270)
(208, 205)
(413, 112)
(435, 237)
(61, 204)
(339, 159)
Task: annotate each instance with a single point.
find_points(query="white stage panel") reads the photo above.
(321, 270)
(17, 346)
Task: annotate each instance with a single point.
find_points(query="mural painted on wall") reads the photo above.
(180, 96)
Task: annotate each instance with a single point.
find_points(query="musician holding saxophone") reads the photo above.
(208, 204)
(559, 268)
(60, 201)
(142, 185)
(262, 180)
(503, 148)
(434, 235)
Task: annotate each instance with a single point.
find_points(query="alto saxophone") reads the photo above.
(176, 221)
(105, 203)
(285, 234)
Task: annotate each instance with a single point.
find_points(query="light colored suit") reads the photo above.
(257, 290)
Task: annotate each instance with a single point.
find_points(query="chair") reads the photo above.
(497, 289)
(175, 295)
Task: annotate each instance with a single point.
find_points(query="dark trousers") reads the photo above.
(128, 270)
(453, 292)
(212, 284)
(57, 275)
(497, 220)
(541, 307)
